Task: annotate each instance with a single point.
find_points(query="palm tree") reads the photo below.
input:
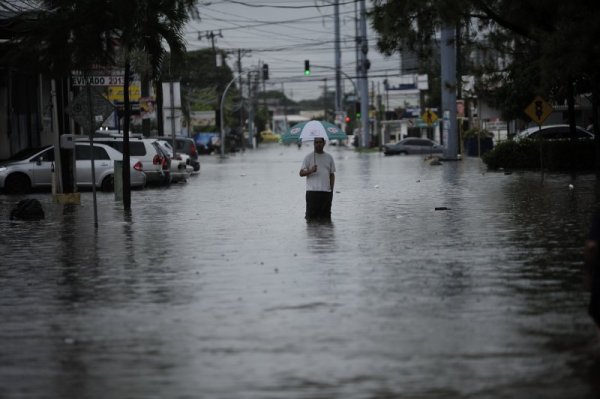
(156, 20)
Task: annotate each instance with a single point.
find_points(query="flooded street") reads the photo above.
(218, 288)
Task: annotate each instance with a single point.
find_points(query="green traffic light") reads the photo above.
(306, 67)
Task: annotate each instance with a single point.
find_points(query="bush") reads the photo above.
(557, 155)
(475, 133)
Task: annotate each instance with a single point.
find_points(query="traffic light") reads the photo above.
(357, 110)
(265, 70)
(347, 119)
(306, 68)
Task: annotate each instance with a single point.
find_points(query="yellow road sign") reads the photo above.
(116, 93)
(539, 110)
(429, 117)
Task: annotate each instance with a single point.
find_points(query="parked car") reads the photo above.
(156, 163)
(187, 146)
(554, 132)
(32, 168)
(413, 145)
(180, 168)
(184, 145)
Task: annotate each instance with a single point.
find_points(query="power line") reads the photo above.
(269, 23)
(280, 6)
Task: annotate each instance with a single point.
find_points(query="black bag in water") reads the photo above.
(28, 209)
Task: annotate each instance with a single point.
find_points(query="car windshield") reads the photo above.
(26, 153)
(159, 149)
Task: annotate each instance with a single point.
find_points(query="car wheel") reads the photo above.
(196, 167)
(17, 184)
(108, 184)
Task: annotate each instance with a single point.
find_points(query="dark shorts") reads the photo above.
(318, 205)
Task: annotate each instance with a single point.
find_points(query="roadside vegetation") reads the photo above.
(559, 155)
(515, 50)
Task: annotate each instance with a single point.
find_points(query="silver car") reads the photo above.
(413, 145)
(32, 168)
(554, 132)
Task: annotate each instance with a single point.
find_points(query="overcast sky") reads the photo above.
(282, 34)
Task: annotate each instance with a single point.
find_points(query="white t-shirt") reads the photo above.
(325, 166)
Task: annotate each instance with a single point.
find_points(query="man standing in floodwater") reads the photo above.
(319, 169)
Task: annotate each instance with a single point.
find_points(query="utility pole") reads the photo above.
(338, 63)
(264, 90)
(325, 99)
(211, 35)
(448, 61)
(241, 85)
(251, 93)
(363, 82)
(285, 122)
(241, 53)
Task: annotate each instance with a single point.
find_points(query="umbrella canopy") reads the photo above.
(308, 131)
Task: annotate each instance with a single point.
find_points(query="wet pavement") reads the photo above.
(218, 288)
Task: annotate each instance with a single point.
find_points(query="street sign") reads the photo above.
(102, 77)
(429, 117)
(117, 94)
(539, 110)
(79, 109)
(98, 80)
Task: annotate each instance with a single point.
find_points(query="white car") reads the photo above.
(32, 168)
(155, 161)
(181, 168)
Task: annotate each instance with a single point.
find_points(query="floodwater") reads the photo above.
(218, 288)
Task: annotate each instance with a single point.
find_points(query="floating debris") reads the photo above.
(433, 160)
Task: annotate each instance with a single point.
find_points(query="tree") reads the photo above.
(56, 39)
(155, 21)
(202, 83)
(547, 47)
(66, 35)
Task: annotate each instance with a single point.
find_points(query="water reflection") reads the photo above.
(320, 237)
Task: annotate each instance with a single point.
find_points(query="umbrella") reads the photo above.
(308, 131)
